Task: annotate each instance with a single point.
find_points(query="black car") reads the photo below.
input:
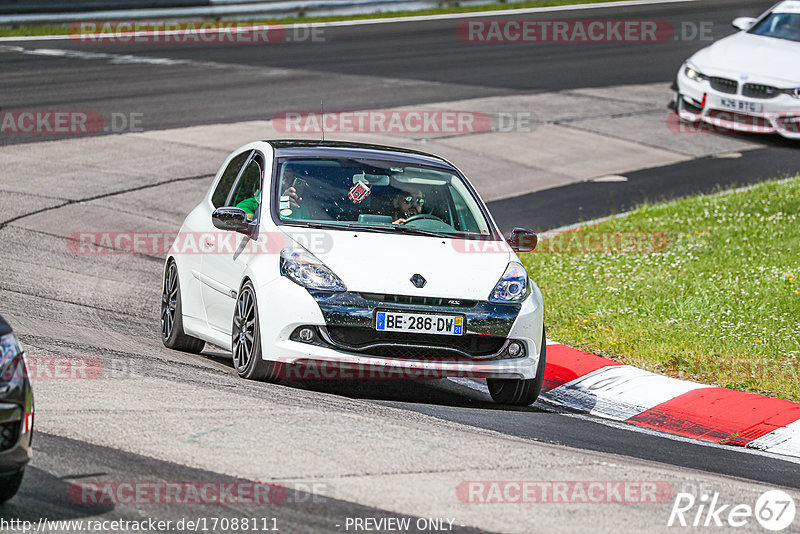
(16, 413)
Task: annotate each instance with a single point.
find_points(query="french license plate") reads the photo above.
(420, 323)
(740, 105)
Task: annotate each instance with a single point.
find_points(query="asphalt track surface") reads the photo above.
(359, 67)
(584, 201)
(428, 64)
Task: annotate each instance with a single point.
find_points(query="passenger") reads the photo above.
(250, 205)
(291, 201)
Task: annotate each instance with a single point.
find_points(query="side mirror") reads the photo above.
(522, 240)
(231, 219)
(743, 23)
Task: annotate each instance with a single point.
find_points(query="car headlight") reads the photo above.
(513, 285)
(10, 354)
(693, 74)
(794, 93)
(305, 269)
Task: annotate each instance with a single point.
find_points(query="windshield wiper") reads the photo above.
(384, 229)
(400, 229)
(321, 225)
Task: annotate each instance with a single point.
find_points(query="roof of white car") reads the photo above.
(788, 6)
(306, 147)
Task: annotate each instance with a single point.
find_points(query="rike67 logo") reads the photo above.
(774, 510)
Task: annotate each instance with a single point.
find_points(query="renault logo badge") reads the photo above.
(418, 281)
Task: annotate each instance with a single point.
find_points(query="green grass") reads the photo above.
(63, 29)
(718, 301)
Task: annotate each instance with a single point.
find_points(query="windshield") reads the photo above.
(780, 25)
(378, 194)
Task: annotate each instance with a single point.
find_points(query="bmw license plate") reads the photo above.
(740, 105)
(420, 323)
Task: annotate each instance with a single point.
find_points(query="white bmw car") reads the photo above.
(356, 261)
(749, 81)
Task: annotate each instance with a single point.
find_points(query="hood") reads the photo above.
(765, 60)
(370, 262)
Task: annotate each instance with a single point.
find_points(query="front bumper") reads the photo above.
(348, 341)
(700, 102)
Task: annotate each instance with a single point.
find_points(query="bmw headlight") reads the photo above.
(513, 285)
(305, 269)
(10, 353)
(693, 74)
(794, 93)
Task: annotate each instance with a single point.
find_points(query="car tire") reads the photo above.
(9, 485)
(246, 339)
(172, 333)
(519, 392)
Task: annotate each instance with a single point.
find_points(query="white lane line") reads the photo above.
(785, 440)
(610, 178)
(727, 155)
(389, 20)
(471, 383)
(619, 392)
(117, 59)
(621, 425)
(128, 59)
(547, 405)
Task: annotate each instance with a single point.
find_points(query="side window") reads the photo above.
(228, 177)
(247, 194)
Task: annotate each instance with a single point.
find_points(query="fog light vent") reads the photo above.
(306, 334)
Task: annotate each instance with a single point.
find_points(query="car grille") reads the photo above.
(754, 90)
(724, 85)
(9, 433)
(422, 346)
(418, 301)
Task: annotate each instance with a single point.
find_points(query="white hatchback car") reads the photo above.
(749, 81)
(354, 261)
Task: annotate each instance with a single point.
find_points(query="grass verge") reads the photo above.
(63, 29)
(705, 288)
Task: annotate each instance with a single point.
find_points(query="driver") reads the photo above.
(787, 27)
(406, 204)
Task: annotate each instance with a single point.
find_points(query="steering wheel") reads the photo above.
(422, 216)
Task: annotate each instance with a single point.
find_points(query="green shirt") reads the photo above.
(249, 205)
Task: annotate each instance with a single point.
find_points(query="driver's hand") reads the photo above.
(399, 221)
(294, 199)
